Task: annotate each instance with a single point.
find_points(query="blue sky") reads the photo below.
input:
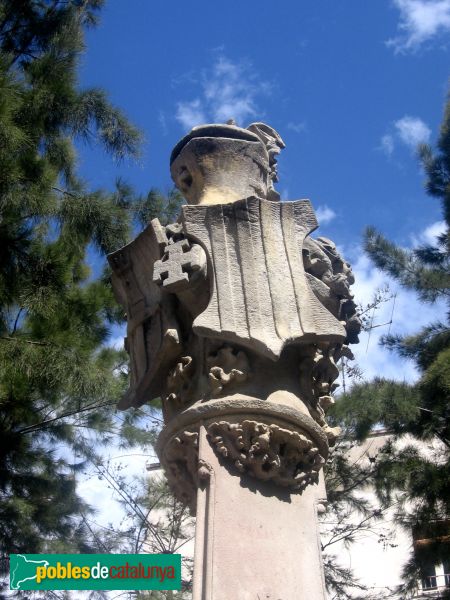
(351, 86)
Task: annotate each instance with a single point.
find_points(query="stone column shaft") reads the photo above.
(254, 542)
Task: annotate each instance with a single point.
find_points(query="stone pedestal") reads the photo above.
(254, 540)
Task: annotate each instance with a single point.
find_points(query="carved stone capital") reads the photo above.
(272, 442)
(268, 452)
(180, 461)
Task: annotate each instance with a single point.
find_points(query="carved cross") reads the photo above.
(172, 271)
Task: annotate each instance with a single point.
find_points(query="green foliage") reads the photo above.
(340, 582)
(414, 479)
(349, 516)
(154, 521)
(381, 401)
(417, 270)
(59, 384)
(166, 208)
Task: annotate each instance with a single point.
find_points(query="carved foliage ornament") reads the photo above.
(225, 367)
(268, 452)
(180, 460)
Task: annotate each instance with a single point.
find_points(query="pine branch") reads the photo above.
(65, 192)
(44, 424)
(18, 339)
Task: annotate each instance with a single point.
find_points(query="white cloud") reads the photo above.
(117, 342)
(325, 214)
(284, 194)
(190, 114)
(299, 127)
(409, 316)
(408, 130)
(163, 122)
(228, 90)
(92, 487)
(387, 144)
(412, 131)
(420, 21)
(117, 335)
(429, 234)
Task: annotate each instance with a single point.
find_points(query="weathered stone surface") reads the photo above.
(260, 296)
(217, 170)
(242, 278)
(227, 366)
(253, 539)
(268, 452)
(236, 319)
(180, 459)
(274, 145)
(296, 445)
(153, 330)
(180, 261)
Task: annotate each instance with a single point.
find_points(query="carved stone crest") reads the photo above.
(260, 296)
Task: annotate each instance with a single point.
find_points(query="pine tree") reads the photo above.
(418, 481)
(59, 384)
(348, 516)
(155, 522)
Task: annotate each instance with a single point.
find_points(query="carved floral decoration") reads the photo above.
(268, 452)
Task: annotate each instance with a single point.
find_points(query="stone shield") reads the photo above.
(259, 295)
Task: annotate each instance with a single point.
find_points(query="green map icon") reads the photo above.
(23, 569)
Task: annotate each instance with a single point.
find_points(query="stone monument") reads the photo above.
(236, 318)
